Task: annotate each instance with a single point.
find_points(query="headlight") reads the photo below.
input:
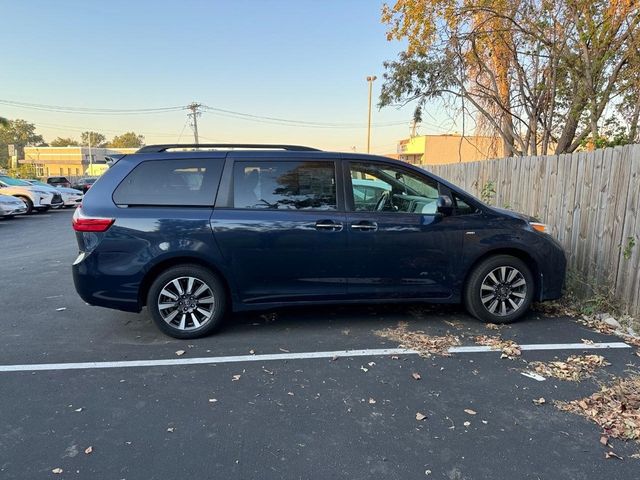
(540, 227)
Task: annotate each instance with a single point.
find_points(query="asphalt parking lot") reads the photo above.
(255, 403)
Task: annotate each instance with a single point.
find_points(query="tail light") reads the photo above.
(84, 223)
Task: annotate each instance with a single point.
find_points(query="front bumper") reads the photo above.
(10, 209)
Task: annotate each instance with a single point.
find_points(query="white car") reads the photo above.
(10, 206)
(36, 198)
(70, 196)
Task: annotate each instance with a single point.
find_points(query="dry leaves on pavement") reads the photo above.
(615, 408)
(509, 348)
(419, 341)
(575, 368)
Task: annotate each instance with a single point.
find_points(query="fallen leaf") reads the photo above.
(539, 401)
(395, 357)
(88, 450)
(574, 368)
(61, 309)
(284, 350)
(492, 326)
(171, 429)
(180, 353)
(416, 376)
(372, 401)
(252, 352)
(57, 471)
(604, 440)
(78, 409)
(290, 394)
(420, 416)
(612, 455)
(235, 378)
(334, 358)
(466, 424)
(424, 344)
(587, 341)
(470, 412)
(213, 400)
(365, 370)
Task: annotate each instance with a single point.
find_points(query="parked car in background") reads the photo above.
(35, 197)
(84, 184)
(59, 182)
(10, 206)
(190, 234)
(70, 196)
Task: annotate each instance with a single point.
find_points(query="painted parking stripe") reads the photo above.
(288, 356)
(543, 346)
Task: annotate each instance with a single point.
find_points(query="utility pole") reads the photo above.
(370, 79)
(195, 113)
(90, 156)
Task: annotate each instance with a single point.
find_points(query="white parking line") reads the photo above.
(288, 356)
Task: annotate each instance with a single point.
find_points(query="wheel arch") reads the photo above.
(523, 255)
(165, 264)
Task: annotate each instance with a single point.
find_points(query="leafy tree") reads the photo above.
(19, 133)
(537, 73)
(94, 139)
(4, 122)
(64, 142)
(127, 140)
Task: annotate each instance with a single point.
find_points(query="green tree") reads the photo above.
(19, 133)
(97, 139)
(542, 75)
(3, 122)
(64, 142)
(127, 140)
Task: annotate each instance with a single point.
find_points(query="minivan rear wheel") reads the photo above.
(187, 301)
(500, 289)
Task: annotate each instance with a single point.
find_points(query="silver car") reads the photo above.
(10, 206)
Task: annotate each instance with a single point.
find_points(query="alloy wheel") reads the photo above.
(186, 303)
(503, 291)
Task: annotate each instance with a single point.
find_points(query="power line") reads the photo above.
(89, 111)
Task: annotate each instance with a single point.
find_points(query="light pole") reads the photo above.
(370, 79)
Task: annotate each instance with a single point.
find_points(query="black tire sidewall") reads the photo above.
(472, 295)
(29, 203)
(201, 273)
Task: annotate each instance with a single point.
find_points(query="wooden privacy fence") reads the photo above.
(590, 200)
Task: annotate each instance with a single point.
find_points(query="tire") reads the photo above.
(177, 320)
(29, 203)
(502, 295)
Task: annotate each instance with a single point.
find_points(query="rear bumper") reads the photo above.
(102, 289)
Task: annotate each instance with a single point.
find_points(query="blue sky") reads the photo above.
(301, 59)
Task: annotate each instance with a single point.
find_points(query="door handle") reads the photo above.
(328, 225)
(365, 226)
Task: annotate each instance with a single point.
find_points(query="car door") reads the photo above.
(400, 246)
(280, 227)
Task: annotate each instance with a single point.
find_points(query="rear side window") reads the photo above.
(171, 183)
(284, 185)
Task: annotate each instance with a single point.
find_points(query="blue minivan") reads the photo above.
(194, 231)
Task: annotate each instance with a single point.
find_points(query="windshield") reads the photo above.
(14, 182)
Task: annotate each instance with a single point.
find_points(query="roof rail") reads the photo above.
(168, 146)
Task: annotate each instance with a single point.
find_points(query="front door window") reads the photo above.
(384, 188)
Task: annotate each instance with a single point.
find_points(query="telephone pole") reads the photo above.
(195, 113)
(370, 79)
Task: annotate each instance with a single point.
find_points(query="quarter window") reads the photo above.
(284, 185)
(170, 183)
(383, 188)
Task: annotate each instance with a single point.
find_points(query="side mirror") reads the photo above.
(444, 204)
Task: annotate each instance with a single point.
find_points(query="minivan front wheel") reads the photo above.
(187, 301)
(499, 289)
